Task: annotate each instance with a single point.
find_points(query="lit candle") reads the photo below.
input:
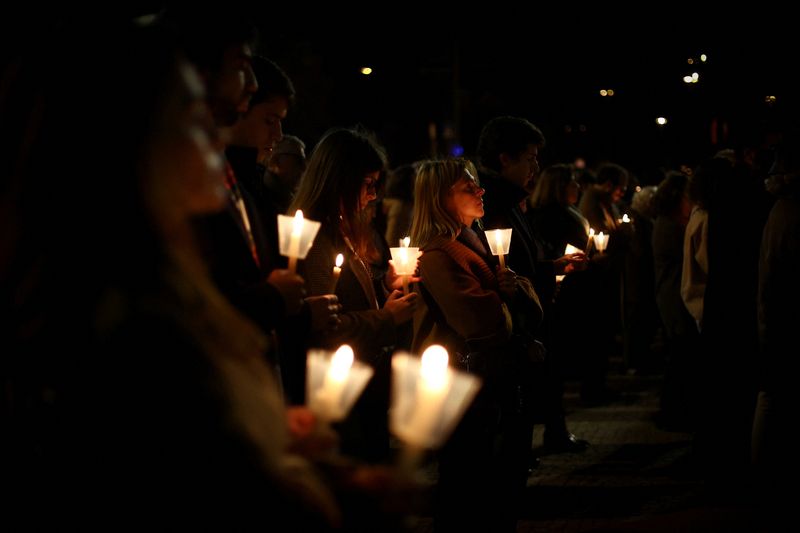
(330, 394)
(499, 243)
(404, 242)
(428, 400)
(589, 242)
(296, 236)
(405, 261)
(600, 242)
(432, 390)
(294, 243)
(337, 270)
(625, 218)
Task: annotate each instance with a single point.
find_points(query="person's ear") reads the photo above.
(505, 160)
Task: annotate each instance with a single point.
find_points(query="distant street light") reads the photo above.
(366, 71)
(661, 121)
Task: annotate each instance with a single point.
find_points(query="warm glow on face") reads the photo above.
(434, 367)
(341, 362)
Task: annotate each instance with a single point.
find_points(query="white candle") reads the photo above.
(600, 242)
(330, 394)
(499, 242)
(294, 243)
(589, 242)
(337, 270)
(432, 389)
(405, 261)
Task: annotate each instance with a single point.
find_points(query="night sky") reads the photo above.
(549, 71)
(457, 70)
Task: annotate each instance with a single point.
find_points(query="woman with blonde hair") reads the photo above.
(468, 302)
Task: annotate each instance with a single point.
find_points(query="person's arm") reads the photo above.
(471, 310)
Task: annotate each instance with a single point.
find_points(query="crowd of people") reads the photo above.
(154, 340)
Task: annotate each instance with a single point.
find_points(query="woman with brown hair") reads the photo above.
(339, 183)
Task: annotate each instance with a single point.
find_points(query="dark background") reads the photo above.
(449, 70)
(549, 70)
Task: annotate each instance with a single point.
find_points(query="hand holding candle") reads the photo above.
(499, 243)
(295, 236)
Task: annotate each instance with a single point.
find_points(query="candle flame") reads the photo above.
(625, 218)
(297, 224)
(405, 242)
(339, 261)
(591, 232)
(434, 367)
(341, 362)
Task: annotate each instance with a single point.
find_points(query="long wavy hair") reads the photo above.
(330, 190)
(434, 180)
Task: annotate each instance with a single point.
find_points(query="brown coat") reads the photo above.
(461, 307)
(365, 326)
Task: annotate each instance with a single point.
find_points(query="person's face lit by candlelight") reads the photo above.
(464, 201)
(368, 189)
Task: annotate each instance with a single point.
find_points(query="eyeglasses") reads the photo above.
(370, 184)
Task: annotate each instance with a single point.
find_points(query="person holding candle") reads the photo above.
(336, 189)
(240, 243)
(508, 150)
(141, 380)
(467, 305)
